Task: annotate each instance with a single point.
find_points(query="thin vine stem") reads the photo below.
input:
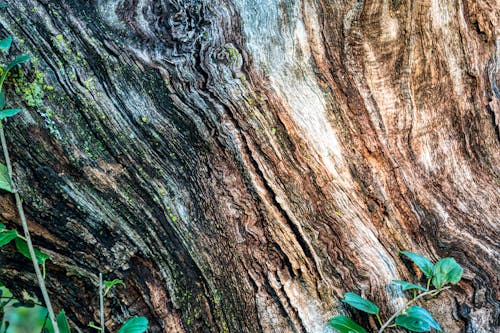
(101, 303)
(429, 292)
(26, 232)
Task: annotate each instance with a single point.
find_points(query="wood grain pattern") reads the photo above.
(242, 164)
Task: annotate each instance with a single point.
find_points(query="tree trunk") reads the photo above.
(241, 164)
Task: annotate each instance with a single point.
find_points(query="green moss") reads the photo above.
(233, 54)
(89, 83)
(171, 215)
(34, 93)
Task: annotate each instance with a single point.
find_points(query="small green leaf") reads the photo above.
(19, 60)
(420, 313)
(134, 325)
(7, 236)
(94, 326)
(446, 271)
(8, 113)
(413, 324)
(22, 247)
(422, 262)
(345, 324)
(3, 6)
(408, 286)
(5, 44)
(2, 99)
(62, 323)
(4, 179)
(360, 303)
(110, 284)
(2, 226)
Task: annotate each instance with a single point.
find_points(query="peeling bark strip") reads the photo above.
(241, 164)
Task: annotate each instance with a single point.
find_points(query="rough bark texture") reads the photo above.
(241, 164)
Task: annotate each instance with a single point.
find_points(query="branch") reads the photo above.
(430, 292)
(27, 236)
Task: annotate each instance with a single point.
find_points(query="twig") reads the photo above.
(429, 292)
(26, 231)
(101, 303)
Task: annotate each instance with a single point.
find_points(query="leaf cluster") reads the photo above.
(413, 318)
(8, 235)
(4, 113)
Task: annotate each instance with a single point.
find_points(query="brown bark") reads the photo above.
(242, 164)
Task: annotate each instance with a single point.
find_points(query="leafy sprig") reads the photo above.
(411, 317)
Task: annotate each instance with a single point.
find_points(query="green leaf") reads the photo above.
(360, 303)
(62, 322)
(420, 313)
(94, 326)
(2, 99)
(408, 286)
(413, 324)
(19, 60)
(5, 179)
(8, 113)
(422, 262)
(345, 324)
(5, 44)
(7, 236)
(2, 226)
(446, 271)
(111, 284)
(3, 6)
(134, 325)
(22, 247)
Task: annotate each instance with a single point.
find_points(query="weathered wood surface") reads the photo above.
(242, 164)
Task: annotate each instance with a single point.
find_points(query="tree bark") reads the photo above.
(241, 164)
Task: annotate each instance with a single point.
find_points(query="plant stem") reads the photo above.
(27, 236)
(429, 292)
(379, 320)
(101, 303)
